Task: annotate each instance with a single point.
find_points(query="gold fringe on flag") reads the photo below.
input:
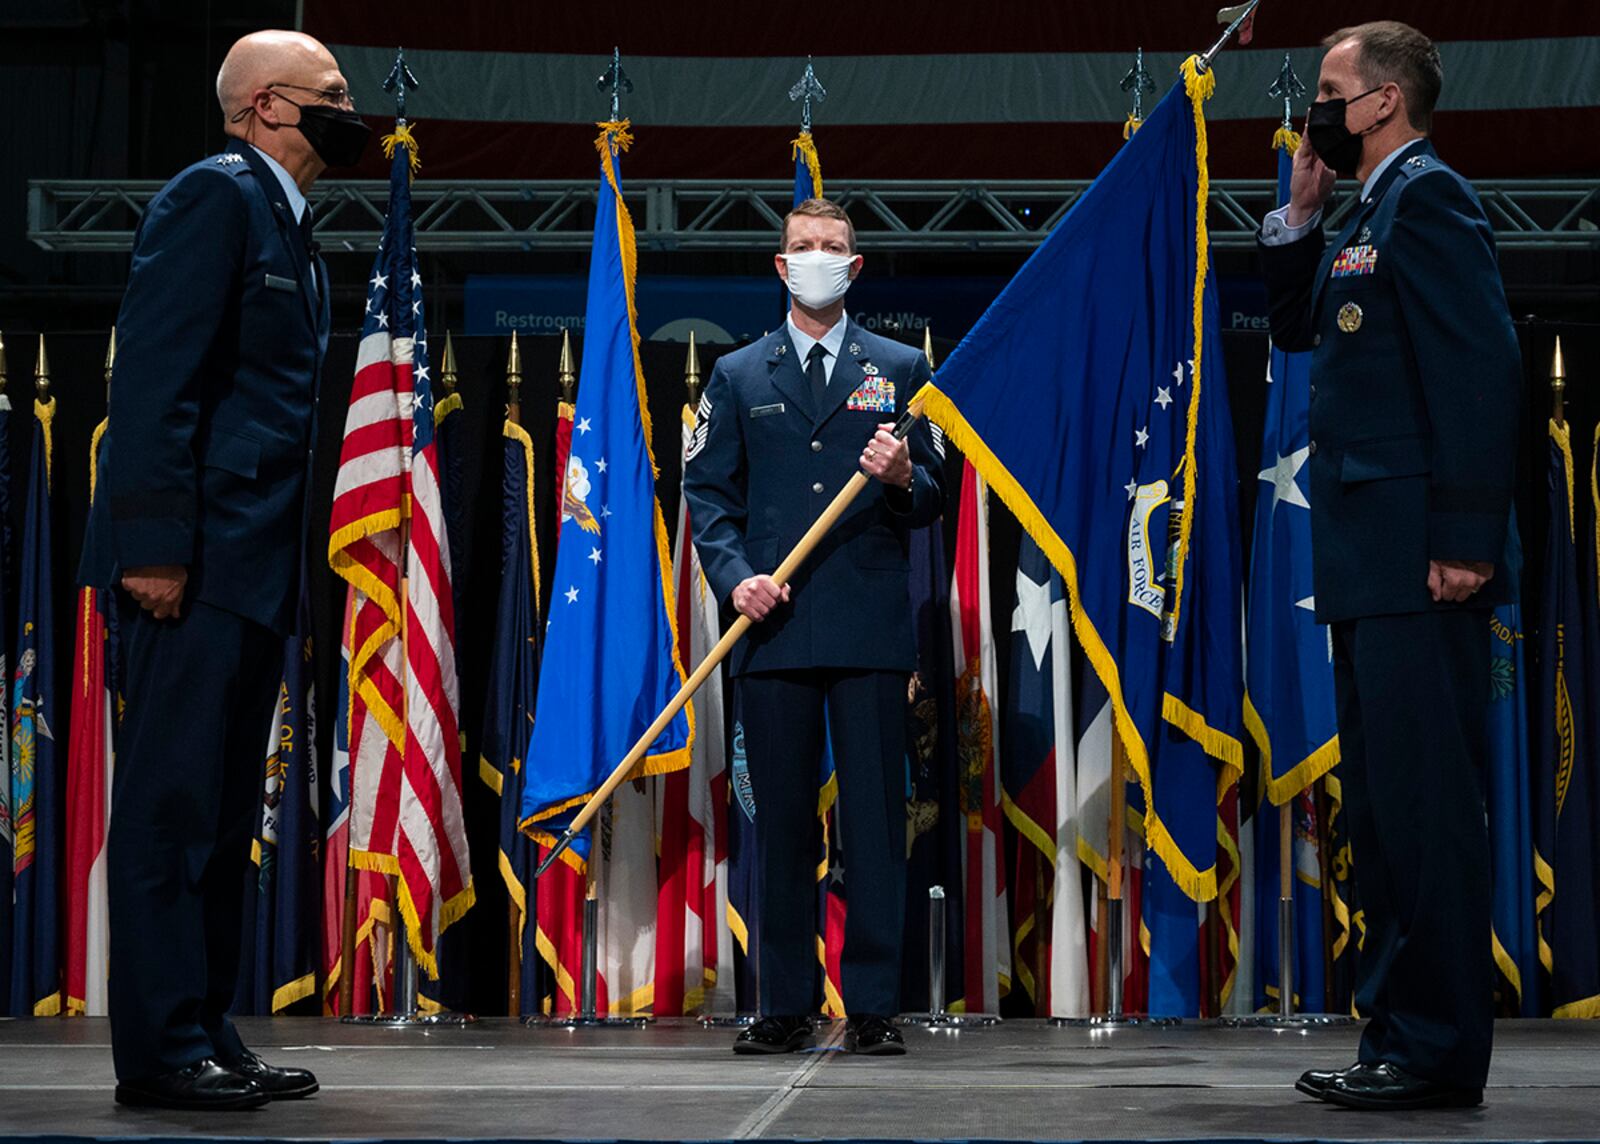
(402, 136)
(1133, 124)
(807, 146)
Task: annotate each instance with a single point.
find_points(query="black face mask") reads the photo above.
(1333, 142)
(339, 137)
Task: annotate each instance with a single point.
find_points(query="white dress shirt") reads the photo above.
(831, 342)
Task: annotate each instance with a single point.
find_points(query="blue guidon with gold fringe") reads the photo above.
(1091, 396)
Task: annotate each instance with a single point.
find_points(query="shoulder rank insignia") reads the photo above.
(229, 158)
(1417, 162)
(1349, 318)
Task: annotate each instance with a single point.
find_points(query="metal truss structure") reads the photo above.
(705, 215)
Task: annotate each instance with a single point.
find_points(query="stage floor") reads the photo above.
(1022, 1080)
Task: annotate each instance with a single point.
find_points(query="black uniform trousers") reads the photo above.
(1413, 694)
(783, 726)
(199, 693)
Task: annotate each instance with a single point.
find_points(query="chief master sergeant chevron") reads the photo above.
(1414, 400)
(784, 425)
(198, 527)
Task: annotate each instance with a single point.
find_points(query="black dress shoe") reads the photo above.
(774, 1035)
(1315, 1082)
(202, 1085)
(874, 1037)
(279, 1084)
(1387, 1087)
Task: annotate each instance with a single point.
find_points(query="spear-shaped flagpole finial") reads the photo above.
(399, 82)
(808, 88)
(567, 371)
(1558, 382)
(927, 343)
(41, 372)
(111, 357)
(691, 372)
(1239, 15)
(1288, 88)
(615, 82)
(448, 374)
(513, 381)
(1140, 82)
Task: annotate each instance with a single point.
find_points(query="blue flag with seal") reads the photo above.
(1563, 857)
(610, 656)
(1078, 395)
(37, 784)
(1510, 782)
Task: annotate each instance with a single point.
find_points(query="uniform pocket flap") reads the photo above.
(1377, 460)
(233, 453)
(278, 282)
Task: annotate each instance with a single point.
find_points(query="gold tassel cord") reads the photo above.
(403, 137)
(1286, 136)
(806, 146)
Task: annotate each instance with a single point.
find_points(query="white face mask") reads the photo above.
(818, 279)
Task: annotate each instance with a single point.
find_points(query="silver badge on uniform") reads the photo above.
(1349, 318)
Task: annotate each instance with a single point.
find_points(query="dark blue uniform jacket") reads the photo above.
(1414, 389)
(220, 342)
(763, 466)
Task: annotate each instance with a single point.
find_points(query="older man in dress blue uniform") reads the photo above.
(1414, 401)
(198, 525)
(784, 424)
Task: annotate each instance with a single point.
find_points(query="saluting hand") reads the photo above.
(758, 595)
(1457, 580)
(1310, 183)
(157, 588)
(887, 458)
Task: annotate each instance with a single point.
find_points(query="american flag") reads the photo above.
(388, 540)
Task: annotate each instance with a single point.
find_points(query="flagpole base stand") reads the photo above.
(948, 1020)
(1106, 1023)
(1281, 1021)
(733, 1021)
(576, 1022)
(413, 1020)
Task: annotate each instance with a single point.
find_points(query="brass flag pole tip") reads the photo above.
(41, 372)
(927, 343)
(691, 371)
(567, 370)
(514, 360)
(1558, 366)
(448, 375)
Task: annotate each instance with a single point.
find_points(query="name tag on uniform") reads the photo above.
(275, 282)
(1354, 261)
(766, 411)
(875, 394)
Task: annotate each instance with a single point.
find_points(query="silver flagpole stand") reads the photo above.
(403, 1010)
(937, 1016)
(588, 1015)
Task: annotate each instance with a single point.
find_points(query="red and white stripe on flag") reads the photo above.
(89, 763)
(387, 538)
(987, 972)
(693, 940)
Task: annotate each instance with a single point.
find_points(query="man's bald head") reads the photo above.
(268, 57)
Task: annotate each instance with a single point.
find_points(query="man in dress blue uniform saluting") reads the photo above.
(198, 526)
(1414, 401)
(784, 424)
